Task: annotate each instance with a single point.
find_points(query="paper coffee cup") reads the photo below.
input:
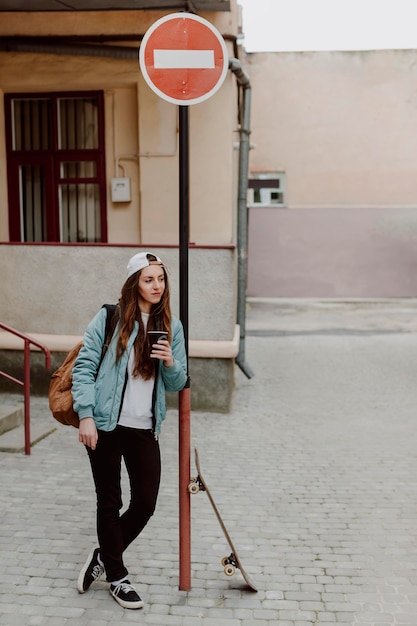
(155, 335)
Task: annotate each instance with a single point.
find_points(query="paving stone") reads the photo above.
(313, 470)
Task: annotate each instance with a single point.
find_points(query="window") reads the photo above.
(56, 168)
(266, 190)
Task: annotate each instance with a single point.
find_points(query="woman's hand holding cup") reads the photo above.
(160, 348)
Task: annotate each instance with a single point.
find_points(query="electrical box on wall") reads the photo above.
(120, 189)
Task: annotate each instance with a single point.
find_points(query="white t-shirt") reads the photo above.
(137, 402)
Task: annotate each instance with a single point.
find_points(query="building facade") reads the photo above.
(89, 162)
(333, 174)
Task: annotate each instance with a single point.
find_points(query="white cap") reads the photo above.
(139, 261)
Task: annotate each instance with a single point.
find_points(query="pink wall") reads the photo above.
(332, 253)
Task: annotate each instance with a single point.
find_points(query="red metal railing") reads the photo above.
(25, 383)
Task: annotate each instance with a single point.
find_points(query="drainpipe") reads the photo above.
(242, 210)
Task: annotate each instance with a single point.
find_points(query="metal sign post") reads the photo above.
(184, 60)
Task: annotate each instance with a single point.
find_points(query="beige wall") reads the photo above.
(342, 125)
(212, 181)
(141, 129)
(343, 128)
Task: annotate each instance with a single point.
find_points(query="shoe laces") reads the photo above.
(125, 587)
(97, 571)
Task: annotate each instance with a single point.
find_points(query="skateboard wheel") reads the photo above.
(229, 570)
(193, 488)
(225, 561)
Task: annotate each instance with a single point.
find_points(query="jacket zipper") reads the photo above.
(156, 437)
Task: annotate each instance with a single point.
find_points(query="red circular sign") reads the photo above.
(183, 58)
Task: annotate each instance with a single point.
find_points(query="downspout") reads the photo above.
(242, 209)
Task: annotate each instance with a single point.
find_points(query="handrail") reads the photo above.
(26, 375)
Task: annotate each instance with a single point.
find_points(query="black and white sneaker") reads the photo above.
(125, 594)
(91, 571)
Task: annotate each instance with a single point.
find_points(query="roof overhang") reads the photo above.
(114, 5)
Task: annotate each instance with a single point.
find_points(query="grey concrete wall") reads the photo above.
(57, 289)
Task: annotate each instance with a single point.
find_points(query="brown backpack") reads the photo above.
(60, 397)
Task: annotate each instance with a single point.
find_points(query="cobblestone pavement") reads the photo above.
(314, 471)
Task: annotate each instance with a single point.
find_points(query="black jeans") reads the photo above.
(141, 455)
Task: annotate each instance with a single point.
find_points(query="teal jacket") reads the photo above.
(101, 397)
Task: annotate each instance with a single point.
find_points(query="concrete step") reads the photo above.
(12, 429)
(11, 416)
(14, 440)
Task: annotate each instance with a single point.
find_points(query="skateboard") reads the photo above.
(232, 562)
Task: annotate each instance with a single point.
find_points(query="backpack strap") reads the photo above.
(112, 318)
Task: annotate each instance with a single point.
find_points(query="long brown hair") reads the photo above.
(159, 319)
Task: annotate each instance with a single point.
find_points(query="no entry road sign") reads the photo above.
(183, 58)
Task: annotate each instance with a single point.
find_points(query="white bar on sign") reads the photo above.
(183, 59)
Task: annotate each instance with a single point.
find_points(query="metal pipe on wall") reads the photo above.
(242, 209)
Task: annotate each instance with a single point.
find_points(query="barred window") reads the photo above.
(56, 167)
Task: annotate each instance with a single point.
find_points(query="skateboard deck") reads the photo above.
(232, 562)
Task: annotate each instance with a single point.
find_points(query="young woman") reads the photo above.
(121, 406)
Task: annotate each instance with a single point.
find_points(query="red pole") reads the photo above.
(184, 497)
(26, 395)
